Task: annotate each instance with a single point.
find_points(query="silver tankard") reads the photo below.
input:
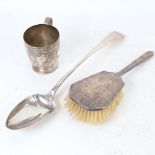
(42, 44)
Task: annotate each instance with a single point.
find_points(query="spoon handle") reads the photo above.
(136, 62)
(112, 37)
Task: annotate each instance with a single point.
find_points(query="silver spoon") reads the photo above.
(43, 105)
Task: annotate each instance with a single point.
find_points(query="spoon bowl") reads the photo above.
(30, 110)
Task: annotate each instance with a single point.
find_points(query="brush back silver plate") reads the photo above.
(97, 91)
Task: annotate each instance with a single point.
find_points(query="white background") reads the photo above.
(82, 24)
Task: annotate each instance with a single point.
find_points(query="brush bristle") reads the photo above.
(88, 116)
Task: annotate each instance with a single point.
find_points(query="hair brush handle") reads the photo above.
(135, 63)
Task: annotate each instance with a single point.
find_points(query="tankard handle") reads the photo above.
(48, 21)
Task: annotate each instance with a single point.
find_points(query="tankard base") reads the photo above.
(44, 71)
